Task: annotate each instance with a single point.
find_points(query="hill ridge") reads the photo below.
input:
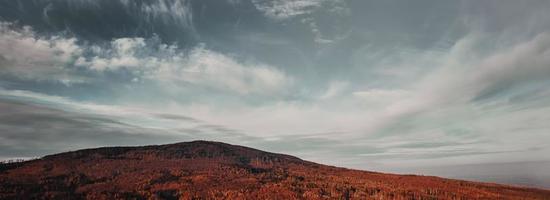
(191, 149)
(215, 170)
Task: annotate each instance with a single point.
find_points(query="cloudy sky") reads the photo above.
(393, 86)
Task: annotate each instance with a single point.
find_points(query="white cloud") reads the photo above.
(131, 115)
(281, 9)
(463, 75)
(281, 119)
(381, 95)
(199, 66)
(26, 55)
(441, 96)
(334, 89)
(460, 77)
(121, 54)
(212, 69)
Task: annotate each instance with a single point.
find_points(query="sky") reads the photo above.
(393, 86)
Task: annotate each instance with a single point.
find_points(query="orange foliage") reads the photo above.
(212, 170)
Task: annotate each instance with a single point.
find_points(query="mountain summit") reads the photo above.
(214, 170)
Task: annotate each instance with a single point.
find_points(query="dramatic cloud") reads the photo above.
(31, 57)
(25, 55)
(389, 85)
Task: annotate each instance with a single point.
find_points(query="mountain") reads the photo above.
(214, 170)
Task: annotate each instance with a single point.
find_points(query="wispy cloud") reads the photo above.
(286, 9)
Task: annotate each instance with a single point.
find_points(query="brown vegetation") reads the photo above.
(212, 170)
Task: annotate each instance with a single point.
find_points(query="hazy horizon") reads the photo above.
(424, 87)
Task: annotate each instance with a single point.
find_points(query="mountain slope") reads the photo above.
(213, 170)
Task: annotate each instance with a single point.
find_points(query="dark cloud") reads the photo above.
(37, 130)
